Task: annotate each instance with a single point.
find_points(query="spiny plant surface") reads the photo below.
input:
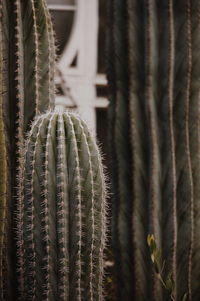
(62, 214)
(3, 178)
(27, 88)
(154, 76)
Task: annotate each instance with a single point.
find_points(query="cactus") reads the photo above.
(62, 219)
(29, 51)
(27, 88)
(53, 232)
(153, 72)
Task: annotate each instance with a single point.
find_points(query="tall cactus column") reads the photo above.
(62, 225)
(27, 88)
(153, 73)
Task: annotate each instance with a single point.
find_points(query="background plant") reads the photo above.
(159, 266)
(153, 74)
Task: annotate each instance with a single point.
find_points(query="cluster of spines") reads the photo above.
(62, 213)
(93, 232)
(20, 219)
(52, 54)
(73, 186)
(19, 78)
(46, 51)
(153, 119)
(41, 56)
(102, 239)
(6, 274)
(77, 192)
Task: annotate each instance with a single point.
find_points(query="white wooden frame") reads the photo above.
(82, 78)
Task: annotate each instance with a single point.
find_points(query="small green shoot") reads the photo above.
(159, 266)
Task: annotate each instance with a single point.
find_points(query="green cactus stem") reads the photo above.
(29, 53)
(62, 222)
(153, 74)
(27, 82)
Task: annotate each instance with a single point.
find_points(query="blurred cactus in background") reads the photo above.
(154, 79)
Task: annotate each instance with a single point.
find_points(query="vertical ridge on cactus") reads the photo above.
(138, 138)
(5, 11)
(20, 229)
(100, 237)
(7, 276)
(111, 75)
(31, 59)
(184, 177)
(64, 219)
(189, 71)
(151, 98)
(195, 146)
(153, 74)
(46, 49)
(48, 215)
(170, 95)
(3, 176)
(91, 183)
(77, 225)
(62, 213)
(19, 79)
(121, 127)
(19, 72)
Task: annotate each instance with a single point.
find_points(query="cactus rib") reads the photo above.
(3, 176)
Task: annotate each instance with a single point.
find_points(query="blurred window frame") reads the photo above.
(77, 66)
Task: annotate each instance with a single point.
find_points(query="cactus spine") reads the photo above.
(63, 197)
(153, 71)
